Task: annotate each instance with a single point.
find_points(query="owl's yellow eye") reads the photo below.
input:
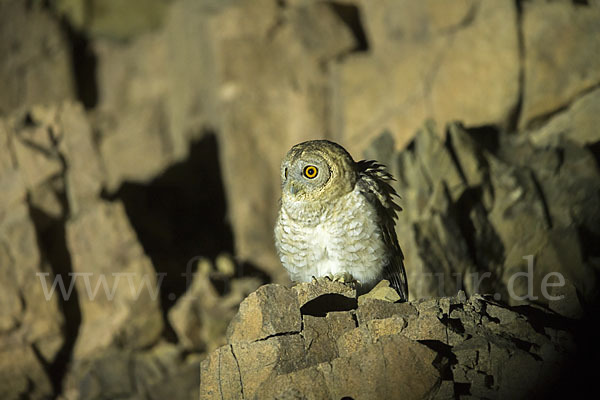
(310, 171)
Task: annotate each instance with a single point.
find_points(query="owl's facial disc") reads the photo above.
(301, 177)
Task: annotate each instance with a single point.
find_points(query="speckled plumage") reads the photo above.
(339, 221)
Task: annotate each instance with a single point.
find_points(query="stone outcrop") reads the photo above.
(499, 218)
(73, 271)
(35, 58)
(140, 144)
(316, 341)
(561, 45)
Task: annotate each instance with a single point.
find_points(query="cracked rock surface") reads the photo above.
(140, 144)
(331, 346)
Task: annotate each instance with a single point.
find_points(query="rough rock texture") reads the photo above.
(578, 123)
(200, 317)
(154, 95)
(31, 323)
(71, 263)
(35, 64)
(119, 298)
(561, 47)
(350, 70)
(481, 217)
(430, 52)
(140, 144)
(335, 347)
(160, 373)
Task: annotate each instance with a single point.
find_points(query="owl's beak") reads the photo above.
(293, 188)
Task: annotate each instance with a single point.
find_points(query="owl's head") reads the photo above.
(317, 170)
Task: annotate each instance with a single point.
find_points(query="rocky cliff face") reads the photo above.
(140, 144)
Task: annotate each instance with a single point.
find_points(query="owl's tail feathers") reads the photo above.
(396, 275)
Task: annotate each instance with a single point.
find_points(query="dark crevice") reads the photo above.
(525, 346)
(42, 4)
(486, 136)
(462, 389)
(542, 199)
(445, 357)
(354, 318)
(84, 64)
(469, 199)
(292, 333)
(589, 242)
(28, 121)
(320, 306)
(179, 217)
(52, 241)
(483, 243)
(350, 16)
(239, 372)
(595, 149)
(454, 324)
(540, 120)
(452, 152)
(488, 316)
(540, 319)
(222, 282)
(515, 114)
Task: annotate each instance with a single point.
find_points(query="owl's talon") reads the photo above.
(345, 278)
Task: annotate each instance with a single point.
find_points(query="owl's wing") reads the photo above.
(373, 183)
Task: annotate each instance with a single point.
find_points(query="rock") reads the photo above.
(200, 317)
(117, 284)
(372, 372)
(321, 335)
(489, 92)
(84, 176)
(54, 151)
(578, 123)
(369, 309)
(22, 374)
(441, 40)
(31, 324)
(150, 374)
(11, 180)
(383, 291)
(309, 295)
(155, 94)
(35, 58)
(240, 368)
(475, 213)
(566, 301)
(256, 320)
(105, 104)
(113, 19)
(452, 347)
(560, 46)
(35, 153)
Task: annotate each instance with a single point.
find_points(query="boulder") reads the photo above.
(440, 348)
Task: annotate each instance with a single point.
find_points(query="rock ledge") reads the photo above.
(316, 340)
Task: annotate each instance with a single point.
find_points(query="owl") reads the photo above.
(336, 219)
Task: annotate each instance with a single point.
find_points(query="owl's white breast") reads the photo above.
(346, 237)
